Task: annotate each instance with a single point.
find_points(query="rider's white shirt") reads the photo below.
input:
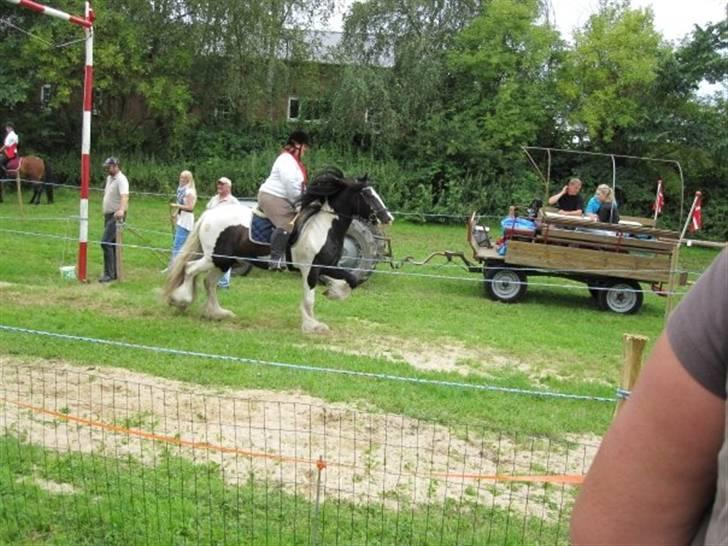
(285, 180)
(10, 139)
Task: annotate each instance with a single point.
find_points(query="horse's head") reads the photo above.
(348, 196)
(370, 205)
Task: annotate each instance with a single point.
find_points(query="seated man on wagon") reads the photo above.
(569, 200)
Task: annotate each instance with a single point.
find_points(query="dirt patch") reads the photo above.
(446, 356)
(277, 437)
(50, 486)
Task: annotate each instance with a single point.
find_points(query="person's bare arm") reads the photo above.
(124, 204)
(571, 212)
(555, 198)
(189, 206)
(654, 474)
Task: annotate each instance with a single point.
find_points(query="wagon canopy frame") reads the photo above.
(547, 177)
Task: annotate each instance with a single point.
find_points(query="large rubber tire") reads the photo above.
(505, 284)
(364, 248)
(623, 296)
(242, 268)
(595, 290)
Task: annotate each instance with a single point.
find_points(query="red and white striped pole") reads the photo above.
(87, 23)
(45, 10)
(88, 99)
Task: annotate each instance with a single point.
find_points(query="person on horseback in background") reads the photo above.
(279, 195)
(9, 149)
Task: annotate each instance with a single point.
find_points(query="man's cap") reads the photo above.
(225, 180)
(110, 161)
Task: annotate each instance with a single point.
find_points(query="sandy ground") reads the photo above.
(278, 436)
(448, 356)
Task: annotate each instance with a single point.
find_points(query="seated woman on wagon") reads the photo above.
(602, 207)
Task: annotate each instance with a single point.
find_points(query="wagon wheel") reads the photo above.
(505, 284)
(621, 296)
(363, 249)
(595, 288)
(241, 268)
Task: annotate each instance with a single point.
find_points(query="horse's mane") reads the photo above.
(329, 181)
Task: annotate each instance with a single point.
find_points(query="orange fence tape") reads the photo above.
(320, 463)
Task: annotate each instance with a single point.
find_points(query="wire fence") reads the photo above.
(396, 266)
(114, 457)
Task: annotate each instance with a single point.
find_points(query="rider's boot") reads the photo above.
(278, 245)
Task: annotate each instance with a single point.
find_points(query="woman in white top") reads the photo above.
(184, 206)
(278, 196)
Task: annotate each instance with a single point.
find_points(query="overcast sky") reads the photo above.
(673, 18)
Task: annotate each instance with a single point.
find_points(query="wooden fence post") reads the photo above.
(633, 345)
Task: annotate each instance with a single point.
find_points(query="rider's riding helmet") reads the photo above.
(299, 137)
(110, 161)
(10, 124)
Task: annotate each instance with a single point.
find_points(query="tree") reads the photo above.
(409, 41)
(610, 70)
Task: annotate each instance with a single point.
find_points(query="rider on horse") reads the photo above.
(9, 150)
(279, 195)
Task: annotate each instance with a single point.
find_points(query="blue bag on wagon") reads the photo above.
(514, 225)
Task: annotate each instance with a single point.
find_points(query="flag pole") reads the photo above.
(657, 199)
(690, 217)
(675, 261)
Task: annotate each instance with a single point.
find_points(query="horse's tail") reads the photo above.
(191, 250)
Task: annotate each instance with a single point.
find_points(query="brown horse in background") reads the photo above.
(33, 169)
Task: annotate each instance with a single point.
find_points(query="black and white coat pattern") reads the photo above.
(221, 237)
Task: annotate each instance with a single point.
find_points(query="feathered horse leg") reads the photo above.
(212, 309)
(309, 324)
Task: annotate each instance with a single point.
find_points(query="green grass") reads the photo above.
(555, 340)
(119, 502)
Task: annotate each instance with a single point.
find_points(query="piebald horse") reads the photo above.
(33, 169)
(221, 237)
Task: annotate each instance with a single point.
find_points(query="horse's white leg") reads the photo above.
(336, 289)
(309, 323)
(212, 309)
(183, 295)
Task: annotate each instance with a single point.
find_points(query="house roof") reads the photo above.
(325, 48)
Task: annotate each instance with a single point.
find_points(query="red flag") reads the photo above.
(696, 222)
(659, 198)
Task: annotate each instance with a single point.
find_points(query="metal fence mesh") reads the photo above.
(109, 456)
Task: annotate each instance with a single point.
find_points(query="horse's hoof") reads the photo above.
(318, 328)
(336, 289)
(222, 314)
(179, 305)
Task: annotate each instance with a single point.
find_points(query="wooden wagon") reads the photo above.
(611, 259)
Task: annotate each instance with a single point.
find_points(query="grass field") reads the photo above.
(430, 322)
(432, 316)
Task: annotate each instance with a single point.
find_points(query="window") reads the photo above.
(307, 110)
(223, 108)
(46, 94)
(294, 108)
